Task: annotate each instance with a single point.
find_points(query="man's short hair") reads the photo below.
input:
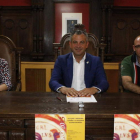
(79, 32)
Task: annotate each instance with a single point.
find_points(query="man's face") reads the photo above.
(136, 47)
(78, 45)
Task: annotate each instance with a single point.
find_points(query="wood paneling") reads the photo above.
(35, 76)
(24, 25)
(124, 27)
(17, 24)
(113, 79)
(33, 27)
(112, 74)
(35, 79)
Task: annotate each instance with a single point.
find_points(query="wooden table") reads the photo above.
(17, 111)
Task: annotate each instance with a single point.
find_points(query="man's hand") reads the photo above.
(87, 91)
(69, 91)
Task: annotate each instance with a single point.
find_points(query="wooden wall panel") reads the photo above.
(125, 28)
(35, 80)
(33, 27)
(35, 76)
(113, 79)
(112, 74)
(38, 72)
(17, 24)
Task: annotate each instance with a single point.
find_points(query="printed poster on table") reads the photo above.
(126, 127)
(59, 126)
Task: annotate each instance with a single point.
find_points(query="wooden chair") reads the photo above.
(11, 54)
(94, 47)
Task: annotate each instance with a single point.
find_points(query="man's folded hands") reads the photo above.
(71, 92)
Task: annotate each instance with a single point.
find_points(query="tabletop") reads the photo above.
(12, 102)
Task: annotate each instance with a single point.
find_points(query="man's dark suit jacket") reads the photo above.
(63, 72)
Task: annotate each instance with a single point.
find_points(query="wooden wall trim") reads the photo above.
(111, 66)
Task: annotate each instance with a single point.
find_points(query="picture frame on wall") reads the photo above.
(70, 25)
(65, 12)
(69, 20)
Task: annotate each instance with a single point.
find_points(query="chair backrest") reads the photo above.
(64, 49)
(93, 47)
(8, 52)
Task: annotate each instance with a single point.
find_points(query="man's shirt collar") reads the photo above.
(83, 59)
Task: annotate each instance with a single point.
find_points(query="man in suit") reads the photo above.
(78, 73)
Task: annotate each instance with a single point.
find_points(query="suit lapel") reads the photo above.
(70, 69)
(87, 69)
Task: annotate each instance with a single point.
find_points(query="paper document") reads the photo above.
(81, 99)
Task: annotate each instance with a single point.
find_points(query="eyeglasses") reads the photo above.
(137, 46)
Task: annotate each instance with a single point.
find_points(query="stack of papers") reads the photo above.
(81, 99)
